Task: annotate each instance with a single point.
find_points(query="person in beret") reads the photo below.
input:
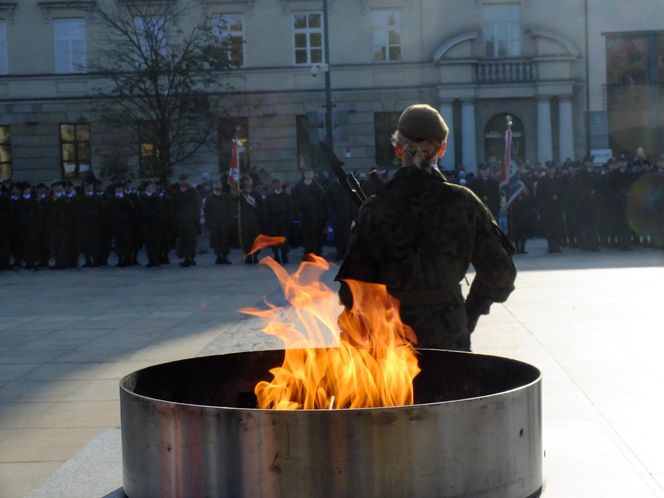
(419, 235)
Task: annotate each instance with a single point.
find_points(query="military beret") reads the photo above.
(421, 122)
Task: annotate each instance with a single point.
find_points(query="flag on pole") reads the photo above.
(234, 170)
(510, 180)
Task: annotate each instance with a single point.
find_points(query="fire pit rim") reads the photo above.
(537, 379)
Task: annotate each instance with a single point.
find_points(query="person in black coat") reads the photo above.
(57, 217)
(165, 223)
(311, 209)
(121, 212)
(186, 209)
(5, 231)
(14, 228)
(619, 182)
(250, 217)
(586, 191)
(29, 221)
(279, 212)
(136, 230)
(218, 209)
(150, 215)
(343, 212)
(73, 245)
(90, 223)
(487, 189)
(549, 201)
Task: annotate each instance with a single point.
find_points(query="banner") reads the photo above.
(510, 180)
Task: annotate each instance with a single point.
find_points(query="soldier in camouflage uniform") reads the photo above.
(418, 236)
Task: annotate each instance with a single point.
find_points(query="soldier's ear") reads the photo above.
(441, 150)
(398, 150)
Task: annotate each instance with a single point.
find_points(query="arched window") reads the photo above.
(494, 139)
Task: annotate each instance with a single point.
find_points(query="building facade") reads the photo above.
(575, 75)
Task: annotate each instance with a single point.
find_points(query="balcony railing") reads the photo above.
(505, 71)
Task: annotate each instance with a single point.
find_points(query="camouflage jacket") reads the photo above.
(419, 237)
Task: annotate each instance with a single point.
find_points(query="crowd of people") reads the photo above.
(54, 226)
(575, 204)
(579, 204)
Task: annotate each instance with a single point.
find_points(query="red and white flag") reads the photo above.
(234, 171)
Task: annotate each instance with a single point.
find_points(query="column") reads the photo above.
(468, 139)
(544, 139)
(446, 110)
(565, 128)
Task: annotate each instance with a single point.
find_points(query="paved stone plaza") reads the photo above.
(591, 322)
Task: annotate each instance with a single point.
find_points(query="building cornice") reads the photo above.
(240, 5)
(46, 6)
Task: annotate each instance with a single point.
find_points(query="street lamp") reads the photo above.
(329, 139)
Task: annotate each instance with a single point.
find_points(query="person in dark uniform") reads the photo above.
(549, 201)
(186, 211)
(218, 208)
(5, 228)
(106, 197)
(43, 196)
(487, 189)
(585, 190)
(165, 223)
(14, 227)
(57, 217)
(71, 199)
(250, 217)
(342, 213)
(29, 220)
(121, 212)
(279, 212)
(90, 221)
(619, 182)
(136, 242)
(150, 208)
(419, 235)
(309, 201)
(522, 213)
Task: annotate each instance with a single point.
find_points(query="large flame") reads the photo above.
(336, 358)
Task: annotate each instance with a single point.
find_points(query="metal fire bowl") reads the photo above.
(189, 430)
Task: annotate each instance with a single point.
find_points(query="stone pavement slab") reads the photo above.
(590, 322)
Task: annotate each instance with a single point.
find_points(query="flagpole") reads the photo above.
(508, 159)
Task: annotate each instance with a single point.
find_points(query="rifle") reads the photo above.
(347, 180)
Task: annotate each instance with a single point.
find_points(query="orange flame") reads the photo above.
(356, 358)
(263, 241)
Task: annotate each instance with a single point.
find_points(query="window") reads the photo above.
(386, 35)
(148, 160)
(230, 29)
(230, 128)
(69, 44)
(74, 149)
(385, 124)
(5, 153)
(502, 30)
(4, 65)
(308, 37)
